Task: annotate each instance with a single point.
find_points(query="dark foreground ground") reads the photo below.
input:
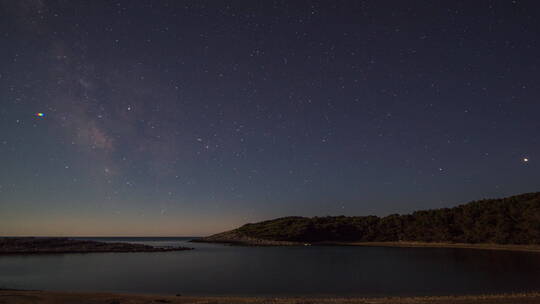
(27, 297)
(31, 245)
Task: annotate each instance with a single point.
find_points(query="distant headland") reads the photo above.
(32, 245)
(511, 223)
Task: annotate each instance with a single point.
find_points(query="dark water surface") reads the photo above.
(315, 271)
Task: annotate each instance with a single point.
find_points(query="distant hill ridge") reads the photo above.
(511, 220)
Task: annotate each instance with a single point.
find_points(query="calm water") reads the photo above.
(317, 271)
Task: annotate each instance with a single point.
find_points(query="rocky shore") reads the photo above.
(32, 245)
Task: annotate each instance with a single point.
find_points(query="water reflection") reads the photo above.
(226, 270)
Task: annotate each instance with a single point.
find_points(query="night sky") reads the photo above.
(192, 117)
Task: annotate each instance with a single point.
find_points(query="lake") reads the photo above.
(213, 269)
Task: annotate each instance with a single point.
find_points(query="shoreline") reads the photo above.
(33, 246)
(249, 241)
(27, 296)
(54, 252)
(482, 246)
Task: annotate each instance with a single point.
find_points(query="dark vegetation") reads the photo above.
(31, 245)
(512, 220)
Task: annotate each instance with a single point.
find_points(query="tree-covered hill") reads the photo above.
(512, 220)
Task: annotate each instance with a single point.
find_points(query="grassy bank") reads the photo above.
(26, 297)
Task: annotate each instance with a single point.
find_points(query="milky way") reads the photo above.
(179, 118)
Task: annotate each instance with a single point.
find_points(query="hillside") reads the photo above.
(511, 220)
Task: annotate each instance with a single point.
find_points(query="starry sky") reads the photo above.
(171, 118)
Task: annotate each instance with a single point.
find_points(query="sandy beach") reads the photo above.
(27, 297)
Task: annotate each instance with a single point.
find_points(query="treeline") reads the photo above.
(512, 220)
